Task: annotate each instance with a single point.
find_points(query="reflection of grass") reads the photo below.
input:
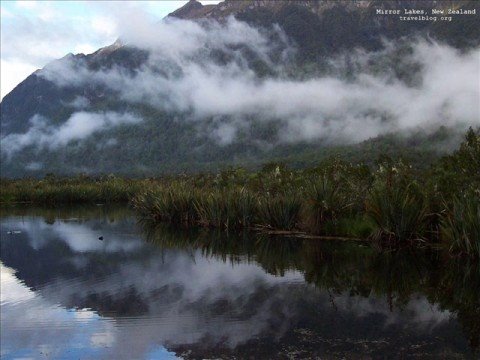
(398, 275)
(63, 212)
(277, 255)
(456, 287)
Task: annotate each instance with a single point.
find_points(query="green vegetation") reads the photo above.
(398, 207)
(163, 146)
(54, 190)
(393, 204)
(326, 203)
(223, 209)
(461, 224)
(280, 212)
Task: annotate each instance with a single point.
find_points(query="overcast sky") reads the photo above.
(34, 33)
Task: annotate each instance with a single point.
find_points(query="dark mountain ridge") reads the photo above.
(195, 10)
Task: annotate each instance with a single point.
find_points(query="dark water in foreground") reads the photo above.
(160, 294)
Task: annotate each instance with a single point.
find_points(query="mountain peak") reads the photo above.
(191, 10)
(195, 10)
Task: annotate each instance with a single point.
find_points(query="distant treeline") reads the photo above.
(392, 203)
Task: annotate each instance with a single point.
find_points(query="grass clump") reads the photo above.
(460, 226)
(326, 203)
(397, 207)
(174, 204)
(281, 212)
(227, 209)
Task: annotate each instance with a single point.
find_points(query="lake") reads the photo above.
(146, 292)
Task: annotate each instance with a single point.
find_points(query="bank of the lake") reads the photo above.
(392, 205)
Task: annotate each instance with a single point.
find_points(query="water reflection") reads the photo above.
(153, 292)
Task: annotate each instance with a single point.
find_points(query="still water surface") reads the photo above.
(143, 293)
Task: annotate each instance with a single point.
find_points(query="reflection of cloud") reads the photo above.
(33, 327)
(102, 339)
(174, 297)
(184, 288)
(80, 237)
(12, 290)
(420, 311)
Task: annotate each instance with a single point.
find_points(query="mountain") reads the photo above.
(243, 82)
(329, 25)
(195, 10)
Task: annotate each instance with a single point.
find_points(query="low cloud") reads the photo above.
(43, 134)
(80, 102)
(180, 75)
(34, 166)
(209, 74)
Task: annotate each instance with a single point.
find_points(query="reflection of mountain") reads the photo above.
(210, 293)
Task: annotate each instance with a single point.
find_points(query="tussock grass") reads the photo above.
(460, 227)
(174, 204)
(326, 203)
(234, 209)
(280, 212)
(400, 214)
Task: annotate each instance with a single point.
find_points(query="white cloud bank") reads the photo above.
(80, 125)
(181, 76)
